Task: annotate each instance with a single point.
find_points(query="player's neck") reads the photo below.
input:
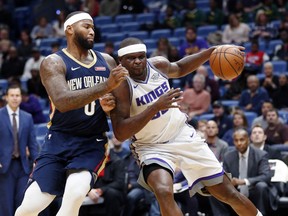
(78, 53)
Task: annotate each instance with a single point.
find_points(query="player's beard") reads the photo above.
(83, 42)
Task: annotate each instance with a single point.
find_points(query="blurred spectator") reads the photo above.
(252, 98)
(109, 49)
(163, 48)
(280, 100)
(263, 29)
(31, 104)
(200, 127)
(222, 118)
(270, 10)
(192, 43)
(33, 62)
(73, 5)
(284, 21)
(193, 16)
(196, 100)
(218, 146)
(215, 15)
(261, 120)
(178, 5)
(239, 121)
(58, 24)
(251, 6)
(281, 51)
(55, 46)
(173, 54)
(276, 132)
(258, 139)
(111, 186)
(42, 30)
(13, 66)
(270, 81)
(254, 59)
(237, 8)
(282, 8)
(34, 84)
(25, 44)
(6, 15)
(117, 149)
(171, 19)
(92, 7)
(4, 49)
(109, 8)
(235, 32)
(131, 6)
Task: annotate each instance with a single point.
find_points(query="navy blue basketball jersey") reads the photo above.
(89, 120)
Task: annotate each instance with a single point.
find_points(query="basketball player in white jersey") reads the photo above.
(147, 111)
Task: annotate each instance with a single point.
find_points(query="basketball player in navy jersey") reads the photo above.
(78, 81)
(146, 110)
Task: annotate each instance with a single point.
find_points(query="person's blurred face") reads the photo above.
(211, 129)
(198, 84)
(202, 70)
(13, 98)
(265, 107)
(218, 111)
(202, 126)
(238, 120)
(241, 141)
(254, 48)
(190, 35)
(282, 80)
(272, 117)
(252, 83)
(257, 135)
(268, 70)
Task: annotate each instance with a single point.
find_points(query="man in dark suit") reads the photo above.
(258, 139)
(18, 148)
(254, 181)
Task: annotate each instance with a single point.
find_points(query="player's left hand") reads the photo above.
(107, 102)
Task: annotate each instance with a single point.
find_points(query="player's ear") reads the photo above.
(69, 29)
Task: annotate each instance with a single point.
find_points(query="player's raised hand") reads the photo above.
(169, 99)
(117, 75)
(107, 102)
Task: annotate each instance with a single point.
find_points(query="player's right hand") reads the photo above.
(117, 75)
(169, 99)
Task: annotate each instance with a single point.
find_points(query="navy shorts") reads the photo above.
(63, 153)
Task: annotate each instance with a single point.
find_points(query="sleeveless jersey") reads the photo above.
(89, 120)
(166, 124)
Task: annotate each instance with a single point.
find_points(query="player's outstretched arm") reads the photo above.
(53, 71)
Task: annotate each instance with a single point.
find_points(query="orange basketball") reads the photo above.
(227, 62)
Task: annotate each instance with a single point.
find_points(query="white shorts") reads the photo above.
(189, 152)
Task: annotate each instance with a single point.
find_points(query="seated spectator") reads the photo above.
(276, 132)
(196, 100)
(281, 102)
(109, 8)
(222, 118)
(33, 62)
(239, 121)
(13, 65)
(171, 19)
(117, 149)
(55, 47)
(193, 16)
(237, 8)
(215, 15)
(218, 146)
(42, 30)
(35, 86)
(281, 51)
(255, 59)
(25, 45)
(192, 43)
(270, 81)
(250, 172)
(163, 48)
(110, 185)
(263, 29)
(109, 49)
(131, 6)
(31, 104)
(235, 32)
(58, 24)
(252, 98)
(258, 140)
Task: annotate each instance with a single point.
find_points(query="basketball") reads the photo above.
(226, 62)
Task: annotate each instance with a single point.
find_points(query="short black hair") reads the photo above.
(13, 86)
(130, 41)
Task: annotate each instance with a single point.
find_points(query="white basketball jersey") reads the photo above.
(166, 124)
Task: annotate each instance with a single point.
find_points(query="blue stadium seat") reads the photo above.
(3, 85)
(284, 115)
(279, 66)
(230, 103)
(129, 26)
(99, 47)
(202, 3)
(272, 45)
(145, 18)
(203, 31)
(150, 43)
(207, 116)
(139, 34)
(41, 129)
(46, 42)
(250, 117)
(175, 41)
(102, 20)
(156, 34)
(179, 32)
(115, 36)
(109, 28)
(123, 18)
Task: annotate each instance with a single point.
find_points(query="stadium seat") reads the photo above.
(99, 47)
(179, 32)
(174, 41)
(156, 34)
(284, 115)
(272, 45)
(102, 20)
(279, 66)
(41, 129)
(115, 36)
(129, 26)
(123, 18)
(145, 18)
(139, 34)
(250, 117)
(46, 42)
(207, 116)
(203, 31)
(3, 85)
(109, 28)
(230, 103)
(150, 43)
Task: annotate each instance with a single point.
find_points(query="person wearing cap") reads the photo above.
(223, 120)
(147, 111)
(79, 82)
